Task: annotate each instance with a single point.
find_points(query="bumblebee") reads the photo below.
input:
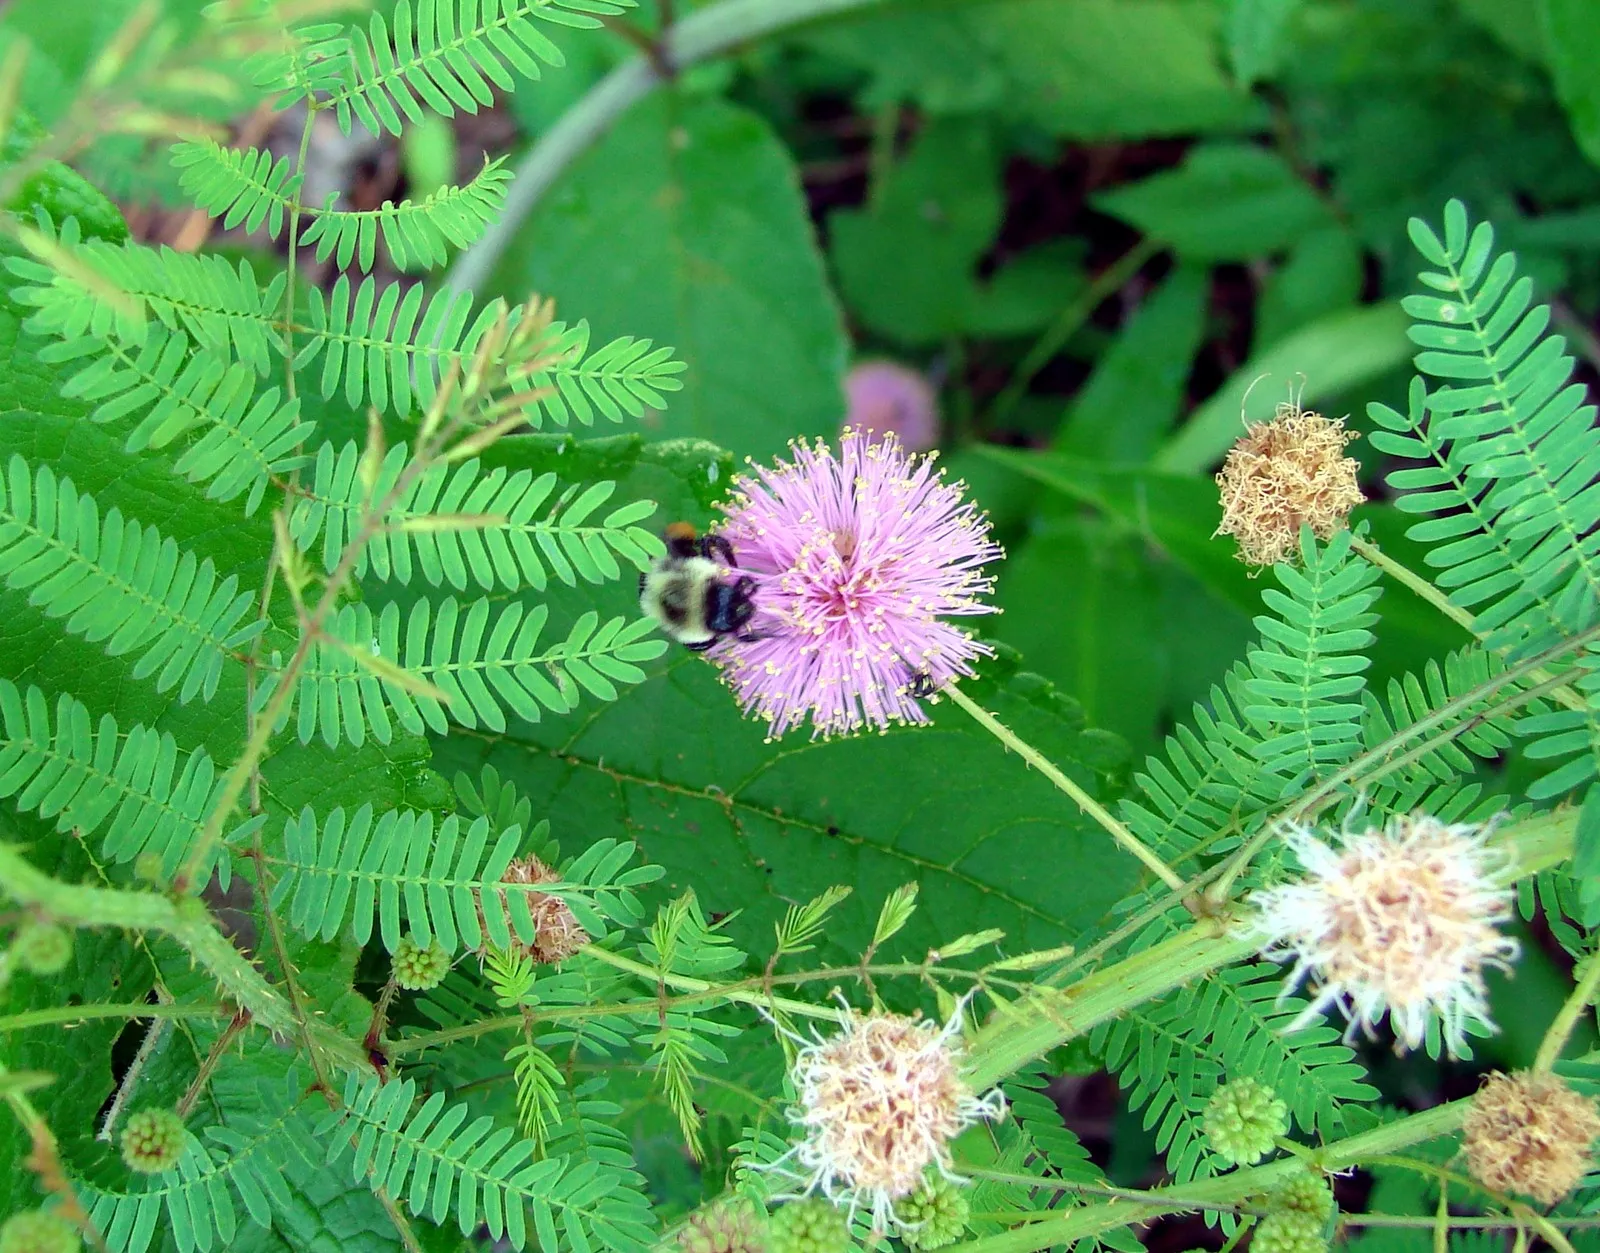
(686, 592)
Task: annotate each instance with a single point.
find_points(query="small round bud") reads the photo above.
(1305, 1193)
(1530, 1133)
(43, 948)
(934, 1215)
(1243, 1119)
(416, 968)
(1289, 1231)
(727, 1227)
(38, 1232)
(1289, 471)
(152, 1140)
(809, 1226)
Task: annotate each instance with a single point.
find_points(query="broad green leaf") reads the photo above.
(756, 826)
(1255, 31)
(1573, 39)
(1079, 69)
(1326, 358)
(1137, 389)
(1226, 202)
(1516, 23)
(685, 225)
(1321, 276)
(907, 262)
(1082, 603)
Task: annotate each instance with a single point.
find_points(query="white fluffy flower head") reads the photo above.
(1404, 920)
(878, 1104)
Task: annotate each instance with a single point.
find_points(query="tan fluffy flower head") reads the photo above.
(1404, 920)
(557, 932)
(1282, 473)
(878, 1105)
(1530, 1133)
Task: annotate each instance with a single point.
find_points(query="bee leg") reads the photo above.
(714, 546)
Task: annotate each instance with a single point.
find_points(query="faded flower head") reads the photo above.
(888, 396)
(1244, 1119)
(1402, 920)
(1530, 1133)
(857, 557)
(878, 1105)
(557, 933)
(1282, 473)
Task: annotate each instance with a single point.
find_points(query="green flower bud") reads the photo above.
(934, 1215)
(1242, 1120)
(1307, 1194)
(810, 1226)
(152, 1140)
(43, 948)
(726, 1227)
(38, 1232)
(1289, 1231)
(416, 968)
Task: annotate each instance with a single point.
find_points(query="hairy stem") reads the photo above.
(1128, 841)
(60, 1015)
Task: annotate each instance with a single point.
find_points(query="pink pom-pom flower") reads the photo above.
(858, 557)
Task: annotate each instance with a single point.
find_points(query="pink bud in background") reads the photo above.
(890, 398)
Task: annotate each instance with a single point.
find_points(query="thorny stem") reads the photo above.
(1124, 837)
(1566, 1021)
(286, 967)
(1407, 577)
(208, 1067)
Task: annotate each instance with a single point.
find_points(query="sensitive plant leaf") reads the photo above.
(685, 224)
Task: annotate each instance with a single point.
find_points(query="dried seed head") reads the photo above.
(878, 1104)
(731, 1226)
(418, 969)
(1403, 920)
(557, 934)
(38, 1232)
(1283, 473)
(1530, 1133)
(152, 1140)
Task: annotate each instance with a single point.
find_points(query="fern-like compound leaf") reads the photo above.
(197, 1203)
(507, 535)
(245, 187)
(441, 1162)
(481, 660)
(243, 439)
(443, 56)
(138, 786)
(222, 308)
(1307, 675)
(119, 583)
(1509, 459)
(390, 349)
(443, 878)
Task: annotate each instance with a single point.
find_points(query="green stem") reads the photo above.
(1118, 832)
(55, 1015)
(1049, 1016)
(1090, 1220)
(1425, 590)
(1105, 285)
(1561, 1029)
(186, 920)
(702, 35)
